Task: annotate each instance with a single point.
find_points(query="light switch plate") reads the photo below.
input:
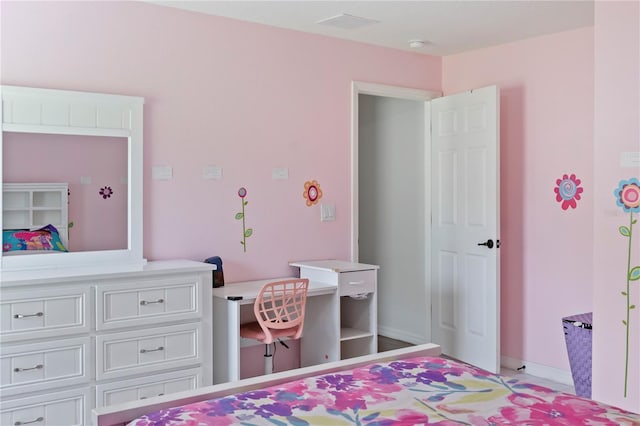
(161, 172)
(327, 212)
(630, 159)
(86, 180)
(280, 173)
(212, 172)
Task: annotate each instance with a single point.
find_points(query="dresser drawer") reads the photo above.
(147, 387)
(43, 313)
(148, 303)
(66, 408)
(358, 282)
(146, 351)
(40, 366)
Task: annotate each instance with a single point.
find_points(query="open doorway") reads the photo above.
(391, 185)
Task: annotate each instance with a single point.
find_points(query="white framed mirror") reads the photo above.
(77, 131)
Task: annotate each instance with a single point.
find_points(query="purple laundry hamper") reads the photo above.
(577, 334)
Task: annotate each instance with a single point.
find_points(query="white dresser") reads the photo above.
(72, 339)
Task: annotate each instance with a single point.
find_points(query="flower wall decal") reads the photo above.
(246, 232)
(312, 192)
(628, 197)
(568, 191)
(106, 192)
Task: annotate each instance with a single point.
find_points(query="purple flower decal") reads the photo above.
(106, 192)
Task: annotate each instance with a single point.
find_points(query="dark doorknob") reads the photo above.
(488, 243)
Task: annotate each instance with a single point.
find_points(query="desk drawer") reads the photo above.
(147, 387)
(134, 304)
(41, 366)
(358, 282)
(43, 313)
(67, 408)
(146, 351)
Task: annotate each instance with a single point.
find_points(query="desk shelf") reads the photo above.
(353, 333)
(357, 285)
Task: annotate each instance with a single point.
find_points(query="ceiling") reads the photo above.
(447, 27)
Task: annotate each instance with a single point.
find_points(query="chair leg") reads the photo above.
(268, 360)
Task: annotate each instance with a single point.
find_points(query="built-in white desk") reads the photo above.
(233, 305)
(340, 315)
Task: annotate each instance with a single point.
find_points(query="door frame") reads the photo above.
(364, 88)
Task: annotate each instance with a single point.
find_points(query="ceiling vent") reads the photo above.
(347, 22)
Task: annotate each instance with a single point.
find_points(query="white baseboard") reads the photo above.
(538, 370)
(402, 335)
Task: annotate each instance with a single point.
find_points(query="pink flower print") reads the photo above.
(628, 195)
(567, 191)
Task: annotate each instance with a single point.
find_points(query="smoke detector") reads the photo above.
(416, 44)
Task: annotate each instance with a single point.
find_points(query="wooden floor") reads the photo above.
(387, 344)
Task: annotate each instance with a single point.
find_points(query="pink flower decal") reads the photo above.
(312, 192)
(567, 191)
(628, 195)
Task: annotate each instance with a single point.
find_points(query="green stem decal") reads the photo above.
(626, 323)
(246, 233)
(628, 197)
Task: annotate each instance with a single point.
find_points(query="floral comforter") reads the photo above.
(405, 392)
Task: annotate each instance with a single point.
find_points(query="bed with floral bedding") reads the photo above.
(424, 390)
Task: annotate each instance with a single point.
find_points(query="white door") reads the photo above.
(465, 214)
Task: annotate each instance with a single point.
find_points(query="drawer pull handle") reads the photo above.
(159, 348)
(356, 282)
(145, 397)
(37, 314)
(35, 367)
(38, 420)
(150, 302)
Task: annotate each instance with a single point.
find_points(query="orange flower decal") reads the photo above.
(312, 192)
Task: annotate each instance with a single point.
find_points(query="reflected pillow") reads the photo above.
(44, 239)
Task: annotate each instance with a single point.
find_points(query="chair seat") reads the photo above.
(253, 330)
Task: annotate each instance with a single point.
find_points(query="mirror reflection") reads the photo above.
(95, 168)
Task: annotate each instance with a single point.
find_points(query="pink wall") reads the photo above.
(219, 92)
(98, 223)
(250, 98)
(616, 130)
(546, 95)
